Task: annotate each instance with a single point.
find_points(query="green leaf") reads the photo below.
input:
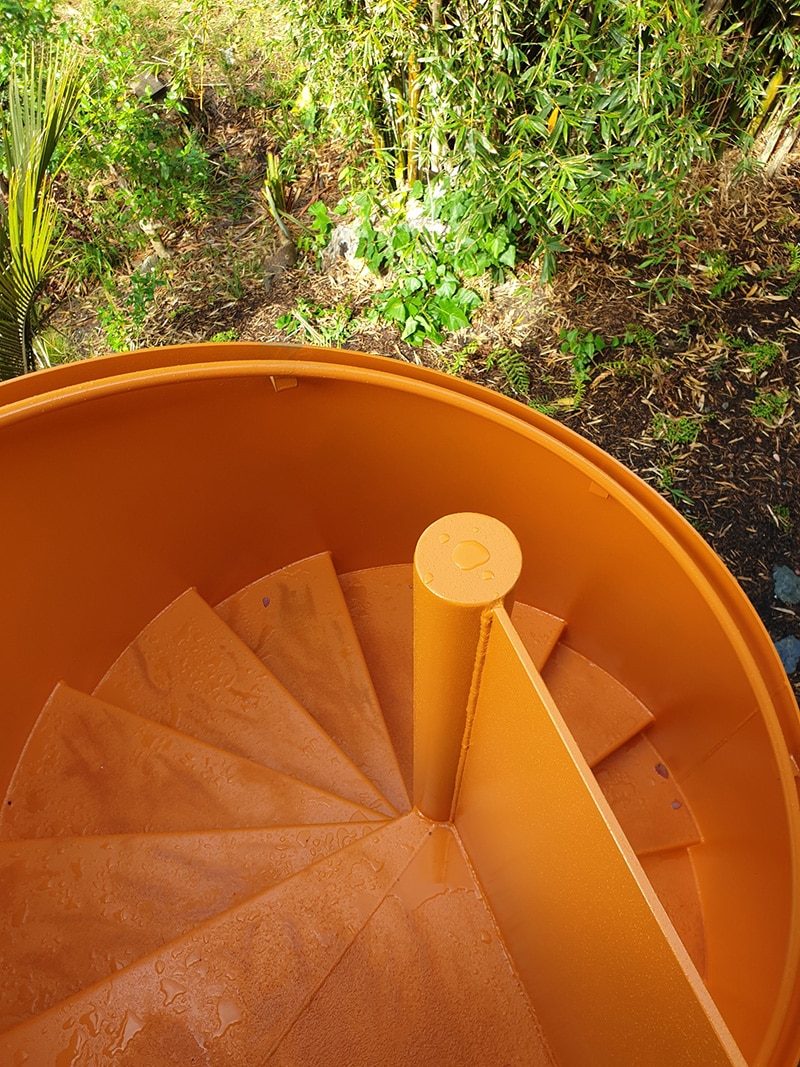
(450, 315)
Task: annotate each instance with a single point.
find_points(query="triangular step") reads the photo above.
(380, 605)
(648, 802)
(296, 621)
(188, 670)
(227, 991)
(672, 876)
(78, 909)
(599, 711)
(90, 768)
(427, 981)
(538, 630)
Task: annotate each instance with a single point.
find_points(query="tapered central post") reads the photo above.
(464, 565)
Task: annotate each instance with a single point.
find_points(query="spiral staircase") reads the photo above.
(369, 809)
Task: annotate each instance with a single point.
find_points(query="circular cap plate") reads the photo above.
(468, 559)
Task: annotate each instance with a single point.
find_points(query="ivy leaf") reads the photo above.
(450, 314)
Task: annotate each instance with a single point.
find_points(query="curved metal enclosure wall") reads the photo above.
(128, 479)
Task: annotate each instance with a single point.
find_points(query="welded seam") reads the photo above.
(487, 617)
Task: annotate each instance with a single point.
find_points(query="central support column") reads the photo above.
(464, 565)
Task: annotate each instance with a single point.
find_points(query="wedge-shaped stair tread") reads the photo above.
(538, 630)
(296, 621)
(78, 909)
(229, 990)
(380, 604)
(188, 670)
(427, 981)
(672, 876)
(90, 768)
(600, 712)
(651, 808)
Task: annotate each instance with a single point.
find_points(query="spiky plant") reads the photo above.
(43, 92)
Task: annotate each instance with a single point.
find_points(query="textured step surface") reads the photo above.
(100, 903)
(600, 712)
(646, 799)
(426, 981)
(538, 630)
(380, 604)
(188, 670)
(90, 768)
(296, 621)
(228, 991)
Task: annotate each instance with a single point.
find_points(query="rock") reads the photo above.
(789, 651)
(282, 259)
(342, 245)
(787, 585)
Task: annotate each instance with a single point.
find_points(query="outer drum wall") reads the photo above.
(115, 505)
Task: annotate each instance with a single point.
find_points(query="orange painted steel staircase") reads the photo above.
(364, 811)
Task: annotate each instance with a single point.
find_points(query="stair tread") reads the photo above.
(426, 981)
(296, 621)
(672, 876)
(379, 601)
(188, 670)
(538, 630)
(647, 801)
(229, 989)
(78, 909)
(599, 711)
(90, 768)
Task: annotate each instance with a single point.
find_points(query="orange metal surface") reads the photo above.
(130, 479)
(187, 670)
(297, 623)
(463, 565)
(564, 885)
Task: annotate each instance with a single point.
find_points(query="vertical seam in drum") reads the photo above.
(487, 616)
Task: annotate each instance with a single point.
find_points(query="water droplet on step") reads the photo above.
(662, 770)
(487, 576)
(265, 601)
(20, 1057)
(428, 578)
(444, 538)
(676, 804)
(159, 966)
(228, 1013)
(70, 1056)
(131, 1026)
(467, 555)
(170, 990)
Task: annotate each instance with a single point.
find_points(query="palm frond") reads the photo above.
(42, 96)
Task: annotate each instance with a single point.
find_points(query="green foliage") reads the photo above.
(770, 407)
(583, 347)
(22, 24)
(512, 363)
(42, 96)
(127, 309)
(666, 479)
(432, 245)
(319, 325)
(782, 516)
(152, 164)
(224, 336)
(568, 115)
(676, 430)
(758, 357)
(727, 277)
